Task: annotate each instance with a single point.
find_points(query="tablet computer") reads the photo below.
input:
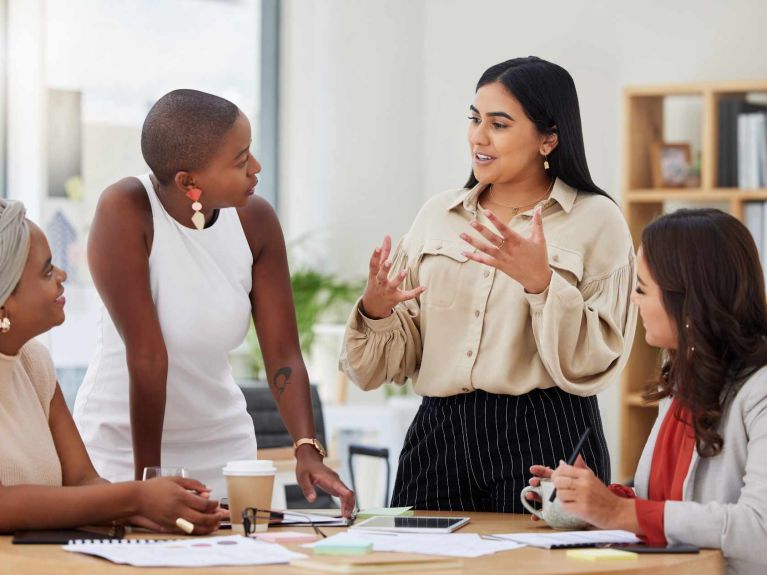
(412, 524)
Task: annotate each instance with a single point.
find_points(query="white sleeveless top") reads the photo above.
(200, 282)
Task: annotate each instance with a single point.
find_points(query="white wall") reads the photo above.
(377, 91)
(26, 97)
(351, 124)
(604, 44)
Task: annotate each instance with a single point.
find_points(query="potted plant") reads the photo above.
(317, 296)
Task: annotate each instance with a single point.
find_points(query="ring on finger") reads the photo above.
(503, 241)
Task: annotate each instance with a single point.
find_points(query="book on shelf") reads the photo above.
(755, 219)
(729, 144)
(752, 151)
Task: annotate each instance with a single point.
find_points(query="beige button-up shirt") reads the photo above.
(476, 328)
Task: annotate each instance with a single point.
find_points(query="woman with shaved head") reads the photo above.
(183, 258)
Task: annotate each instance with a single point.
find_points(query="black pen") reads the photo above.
(573, 457)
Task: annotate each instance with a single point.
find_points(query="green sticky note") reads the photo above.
(385, 512)
(346, 547)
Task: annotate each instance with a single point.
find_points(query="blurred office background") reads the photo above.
(359, 115)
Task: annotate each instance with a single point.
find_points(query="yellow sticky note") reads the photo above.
(600, 554)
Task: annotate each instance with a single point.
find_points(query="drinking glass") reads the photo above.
(152, 472)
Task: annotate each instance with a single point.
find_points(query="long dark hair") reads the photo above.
(547, 94)
(707, 267)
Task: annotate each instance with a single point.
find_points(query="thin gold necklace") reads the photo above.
(516, 209)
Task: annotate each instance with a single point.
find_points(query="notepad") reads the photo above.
(286, 537)
(343, 546)
(601, 554)
(377, 563)
(568, 539)
(385, 512)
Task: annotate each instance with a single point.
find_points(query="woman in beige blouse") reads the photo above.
(46, 477)
(507, 303)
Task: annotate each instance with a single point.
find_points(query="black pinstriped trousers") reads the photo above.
(473, 452)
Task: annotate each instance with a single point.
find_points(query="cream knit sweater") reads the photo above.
(27, 452)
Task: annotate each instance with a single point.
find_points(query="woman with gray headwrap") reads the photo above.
(14, 247)
(41, 453)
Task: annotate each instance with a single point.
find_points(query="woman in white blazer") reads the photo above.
(702, 478)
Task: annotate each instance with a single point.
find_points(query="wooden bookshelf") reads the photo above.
(643, 126)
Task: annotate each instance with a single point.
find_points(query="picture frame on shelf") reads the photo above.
(671, 164)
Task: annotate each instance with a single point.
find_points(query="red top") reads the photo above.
(670, 464)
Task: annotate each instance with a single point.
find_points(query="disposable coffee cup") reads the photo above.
(249, 483)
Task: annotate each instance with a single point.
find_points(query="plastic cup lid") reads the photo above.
(246, 467)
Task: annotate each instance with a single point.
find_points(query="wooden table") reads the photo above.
(49, 559)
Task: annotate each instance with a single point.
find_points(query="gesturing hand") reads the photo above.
(523, 259)
(311, 471)
(381, 293)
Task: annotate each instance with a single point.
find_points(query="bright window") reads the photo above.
(76, 122)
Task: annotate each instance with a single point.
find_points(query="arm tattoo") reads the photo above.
(281, 379)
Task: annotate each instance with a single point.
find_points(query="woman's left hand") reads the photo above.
(582, 493)
(523, 259)
(311, 471)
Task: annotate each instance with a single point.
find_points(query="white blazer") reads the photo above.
(724, 502)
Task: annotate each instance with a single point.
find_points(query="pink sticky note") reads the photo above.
(286, 537)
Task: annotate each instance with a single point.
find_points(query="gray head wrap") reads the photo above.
(14, 246)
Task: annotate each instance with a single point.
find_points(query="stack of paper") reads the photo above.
(450, 545)
(197, 552)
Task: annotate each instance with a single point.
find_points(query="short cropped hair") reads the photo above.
(183, 130)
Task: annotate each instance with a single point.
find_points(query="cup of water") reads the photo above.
(152, 472)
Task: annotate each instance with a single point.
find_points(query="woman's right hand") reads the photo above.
(381, 293)
(163, 500)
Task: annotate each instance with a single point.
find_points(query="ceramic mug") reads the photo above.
(551, 512)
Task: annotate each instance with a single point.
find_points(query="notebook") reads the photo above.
(307, 518)
(191, 552)
(571, 539)
(377, 563)
(61, 536)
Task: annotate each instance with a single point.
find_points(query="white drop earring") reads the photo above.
(5, 325)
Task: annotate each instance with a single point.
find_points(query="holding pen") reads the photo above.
(573, 457)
